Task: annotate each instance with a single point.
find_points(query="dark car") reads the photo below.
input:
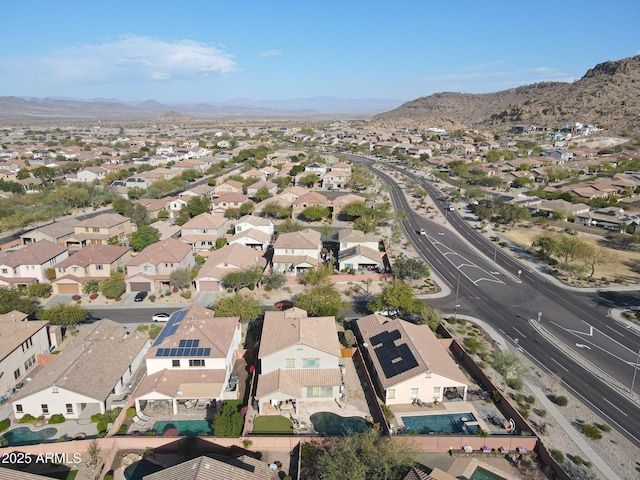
(140, 296)
(284, 305)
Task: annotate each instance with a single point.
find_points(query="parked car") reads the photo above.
(422, 231)
(140, 296)
(386, 313)
(284, 305)
(161, 317)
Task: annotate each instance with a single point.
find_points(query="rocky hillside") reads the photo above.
(607, 95)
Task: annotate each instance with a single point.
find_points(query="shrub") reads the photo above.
(577, 460)
(247, 443)
(4, 424)
(186, 294)
(557, 455)
(515, 383)
(591, 431)
(57, 418)
(541, 412)
(122, 429)
(152, 298)
(27, 418)
(604, 427)
(227, 421)
(93, 296)
(561, 400)
(131, 412)
(102, 426)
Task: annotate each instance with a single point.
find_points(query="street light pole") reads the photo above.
(457, 292)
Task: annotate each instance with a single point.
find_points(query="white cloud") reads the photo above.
(127, 58)
(272, 53)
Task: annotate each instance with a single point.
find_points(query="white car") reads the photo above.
(161, 317)
(422, 232)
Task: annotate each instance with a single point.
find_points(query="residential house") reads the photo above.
(21, 341)
(335, 180)
(29, 263)
(291, 194)
(463, 149)
(202, 231)
(99, 229)
(408, 363)
(318, 168)
(150, 270)
(56, 232)
(225, 201)
(610, 218)
(243, 467)
(230, 258)
(559, 207)
(296, 251)
(155, 206)
(252, 222)
(96, 366)
(95, 262)
(190, 361)
(299, 361)
(254, 173)
(91, 174)
(307, 200)
(176, 205)
(228, 186)
(198, 191)
(271, 187)
(358, 251)
(341, 167)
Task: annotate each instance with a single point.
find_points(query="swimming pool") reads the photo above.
(23, 436)
(332, 424)
(139, 470)
(450, 422)
(482, 474)
(186, 428)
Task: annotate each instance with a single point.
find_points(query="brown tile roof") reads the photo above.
(94, 254)
(10, 474)
(252, 233)
(104, 220)
(169, 250)
(189, 381)
(205, 468)
(311, 198)
(92, 363)
(351, 235)
(292, 381)
(14, 330)
(230, 197)
(306, 239)
(281, 330)
(200, 323)
(205, 220)
(34, 254)
(429, 354)
(296, 260)
(231, 258)
(59, 229)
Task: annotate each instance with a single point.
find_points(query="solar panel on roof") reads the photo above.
(180, 352)
(394, 359)
(171, 327)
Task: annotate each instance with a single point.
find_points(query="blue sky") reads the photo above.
(199, 51)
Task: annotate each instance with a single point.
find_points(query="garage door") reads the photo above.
(208, 286)
(140, 286)
(72, 288)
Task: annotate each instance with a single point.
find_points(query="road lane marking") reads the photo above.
(621, 411)
(522, 334)
(559, 364)
(614, 330)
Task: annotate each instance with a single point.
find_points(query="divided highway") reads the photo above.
(492, 291)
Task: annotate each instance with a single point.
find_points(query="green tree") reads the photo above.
(354, 210)
(313, 213)
(114, 286)
(12, 299)
(274, 280)
(364, 456)
(246, 208)
(90, 286)
(63, 314)
(180, 278)
(124, 206)
(546, 244)
(42, 290)
(429, 316)
(143, 237)
(220, 242)
(237, 305)
(361, 178)
(410, 269)
(262, 194)
(309, 180)
(198, 205)
(228, 421)
(321, 300)
(289, 226)
(398, 296)
(316, 276)
(275, 210)
(140, 215)
(242, 278)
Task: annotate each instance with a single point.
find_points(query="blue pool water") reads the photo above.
(439, 423)
(23, 436)
(186, 428)
(332, 424)
(138, 470)
(482, 474)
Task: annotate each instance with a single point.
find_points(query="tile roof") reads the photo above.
(351, 235)
(15, 329)
(423, 350)
(92, 363)
(59, 229)
(252, 233)
(231, 258)
(104, 220)
(281, 330)
(292, 381)
(94, 254)
(169, 250)
(33, 254)
(205, 220)
(305, 239)
(188, 381)
(205, 468)
(200, 323)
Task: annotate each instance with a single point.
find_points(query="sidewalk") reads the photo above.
(582, 444)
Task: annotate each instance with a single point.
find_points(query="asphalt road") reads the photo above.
(493, 292)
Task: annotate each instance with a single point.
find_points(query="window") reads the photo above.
(16, 374)
(69, 407)
(96, 230)
(290, 363)
(414, 393)
(28, 343)
(4, 270)
(19, 408)
(175, 363)
(30, 362)
(436, 392)
(61, 270)
(99, 267)
(45, 409)
(147, 268)
(196, 362)
(391, 394)
(310, 362)
(75, 269)
(319, 391)
(288, 251)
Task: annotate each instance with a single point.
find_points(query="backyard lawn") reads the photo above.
(272, 424)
